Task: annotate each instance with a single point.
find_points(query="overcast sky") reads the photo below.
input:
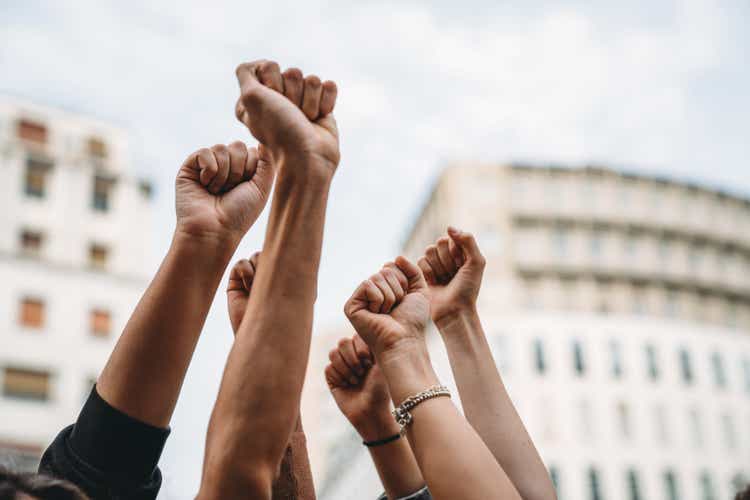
(651, 86)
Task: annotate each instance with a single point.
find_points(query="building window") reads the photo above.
(37, 171)
(100, 200)
(31, 314)
(665, 246)
(623, 420)
(717, 364)
(560, 241)
(100, 323)
(730, 434)
(595, 488)
(97, 147)
(554, 475)
(634, 487)
(746, 373)
(670, 486)
(652, 364)
(708, 492)
(672, 303)
(540, 361)
(660, 423)
(686, 366)
(28, 130)
(98, 256)
(696, 428)
(578, 362)
(615, 351)
(146, 189)
(31, 242)
(22, 383)
(596, 243)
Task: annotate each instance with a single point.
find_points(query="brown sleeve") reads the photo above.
(295, 480)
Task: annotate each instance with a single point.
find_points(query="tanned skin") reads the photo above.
(296, 479)
(361, 393)
(257, 406)
(449, 452)
(453, 268)
(220, 192)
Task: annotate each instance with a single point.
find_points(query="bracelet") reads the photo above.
(401, 413)
(381, 442)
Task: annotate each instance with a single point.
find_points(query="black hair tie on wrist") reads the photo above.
(381, 442)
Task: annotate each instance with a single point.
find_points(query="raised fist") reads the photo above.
(238, 290)
(453, 269)
(288, 113)
(221, 191)
(359, 388)
(391, 307)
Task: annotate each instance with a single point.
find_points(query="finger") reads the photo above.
(269, 74)
(399, 275)
(468, 244)
(373, 296)
(311, 97)
(251, 164)
(328, 97)
(254, 258)
(391, 278)
(445, 257)
(251, 89)
(207, 165)
(239, 110)
(347, 351)
(237, 161)
(456, 253)
(246, 273)
(333, 378)
(389, 298)
(426, 268)
(363, 352)
(221, 153)
(431, 254)
(412, 273)
(293, 85)
(235, 279)
(339, 364)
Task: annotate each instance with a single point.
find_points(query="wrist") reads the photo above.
(457, 319)
(408, 369)
(306, 166)
(376, 426)
(217, 245)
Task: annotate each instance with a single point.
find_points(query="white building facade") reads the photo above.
(618, 309)
(75, 253)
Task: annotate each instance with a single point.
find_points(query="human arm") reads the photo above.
(361, 393)
(256, 408)
(449, 452)
(295, 477)
(453, 269)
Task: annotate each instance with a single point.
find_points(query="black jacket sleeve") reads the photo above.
(107, 454)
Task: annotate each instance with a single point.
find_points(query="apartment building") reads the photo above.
(75, 253)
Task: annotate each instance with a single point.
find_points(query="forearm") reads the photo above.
(489, 409)
(397, 468)
(449, 453)
(160, 337)
(295, 477)
(260, 392)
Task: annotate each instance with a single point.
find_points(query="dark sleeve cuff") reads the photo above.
(114, 443)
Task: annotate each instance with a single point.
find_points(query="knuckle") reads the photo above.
(293, 74)
(342, 343)
(332, 354)
(312, 80)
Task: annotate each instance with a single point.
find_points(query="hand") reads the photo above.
(453, 269)
(289, 114)
(391, 307)
(221, 191)
(238, 290)
(359, 388)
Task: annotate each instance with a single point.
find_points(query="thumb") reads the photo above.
(413, 275)
(265, 171)
(468, 244)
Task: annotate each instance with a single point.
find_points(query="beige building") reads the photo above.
(75, 253)
(617, 306)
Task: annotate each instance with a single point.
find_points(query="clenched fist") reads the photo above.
(221, 191)
(359, 388)
(288, 113)
(453, 268)
(391, 307)
(238, 290)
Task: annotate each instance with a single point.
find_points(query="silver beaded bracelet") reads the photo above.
(401, 413)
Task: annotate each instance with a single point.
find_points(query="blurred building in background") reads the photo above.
(618, 310)
(75, 244)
